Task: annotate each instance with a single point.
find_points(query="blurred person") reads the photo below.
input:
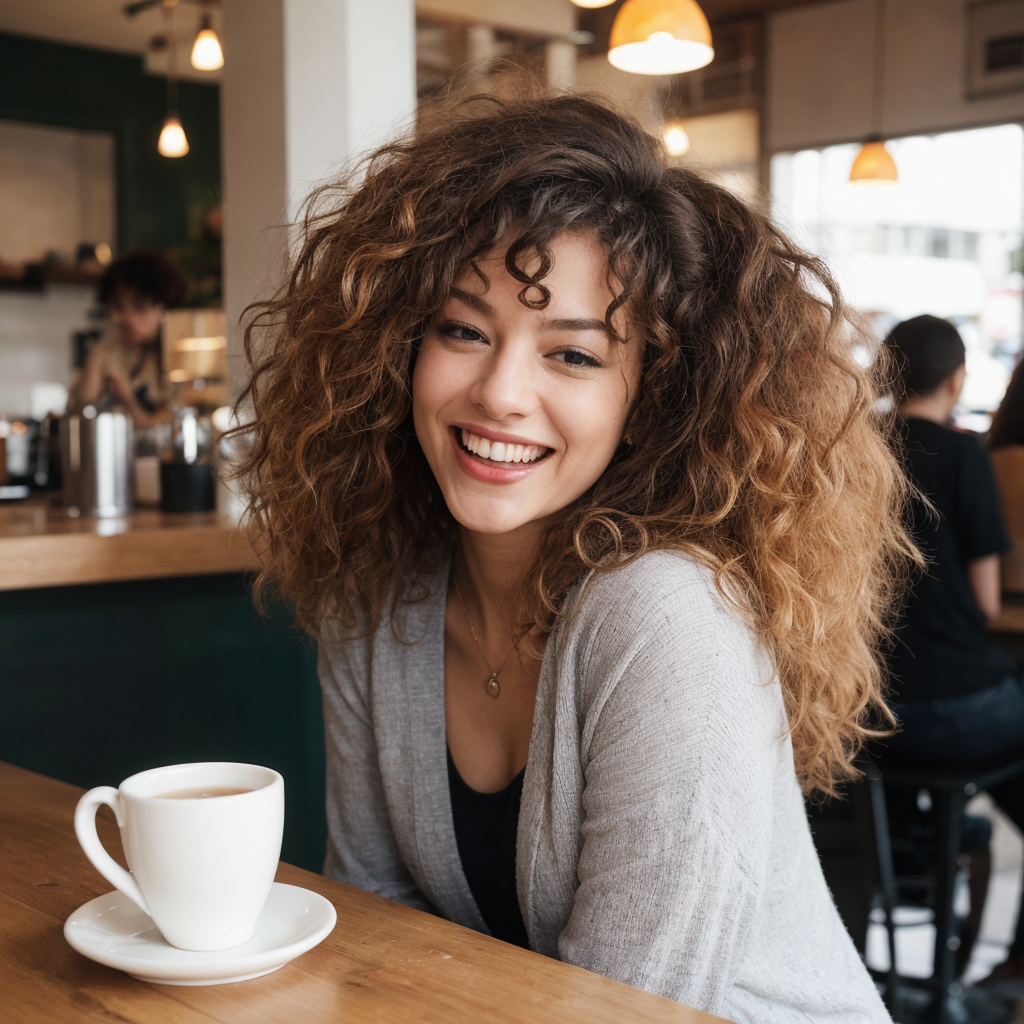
(564, 455)
(1006, 444)
(124, 367)
(958, 697)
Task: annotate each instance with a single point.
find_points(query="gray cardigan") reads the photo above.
(662, 837)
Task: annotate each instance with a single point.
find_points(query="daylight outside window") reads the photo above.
(945, 240)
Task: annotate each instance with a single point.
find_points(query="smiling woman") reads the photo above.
(556, 373)
(564, 456)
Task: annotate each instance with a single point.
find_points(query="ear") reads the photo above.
(955, 381)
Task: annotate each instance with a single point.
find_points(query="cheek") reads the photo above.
(433, 387)
(593, 424)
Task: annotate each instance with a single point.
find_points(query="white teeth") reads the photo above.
(499, 451)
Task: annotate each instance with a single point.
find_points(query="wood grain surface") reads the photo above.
(41, 546)
(1011, 615)
(383, 962)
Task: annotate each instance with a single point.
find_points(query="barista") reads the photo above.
(123, 368)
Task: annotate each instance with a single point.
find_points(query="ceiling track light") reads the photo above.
(207, 52)
(660, 37)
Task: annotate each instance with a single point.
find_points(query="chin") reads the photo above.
(489, 519)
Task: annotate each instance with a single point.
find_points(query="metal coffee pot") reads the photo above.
(98, 462)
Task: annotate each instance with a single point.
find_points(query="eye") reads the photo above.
(576, 358)
(459, 332)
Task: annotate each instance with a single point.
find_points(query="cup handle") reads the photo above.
(85, 829)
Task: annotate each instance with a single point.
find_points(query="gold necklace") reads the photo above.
(491, 687)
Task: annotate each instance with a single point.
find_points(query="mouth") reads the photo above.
(497, 454)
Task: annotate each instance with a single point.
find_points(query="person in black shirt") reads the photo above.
(959, 698)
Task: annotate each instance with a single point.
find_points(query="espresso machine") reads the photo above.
(195, 358)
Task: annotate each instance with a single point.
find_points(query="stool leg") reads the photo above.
(887, 876)
(950, 807)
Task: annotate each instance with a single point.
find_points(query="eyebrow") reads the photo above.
(473, 301)
(575, 323)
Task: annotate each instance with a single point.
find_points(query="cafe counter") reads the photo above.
(134, 642)
(42, 546)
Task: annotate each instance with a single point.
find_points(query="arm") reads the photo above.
(121, 388)
(88, 385)
(983, 574)
(982, 534)
(361, 847)
(678, 800)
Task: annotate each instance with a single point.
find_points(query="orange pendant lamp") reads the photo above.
(874, 165)
(660, 37)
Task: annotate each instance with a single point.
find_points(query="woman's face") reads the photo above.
(137, 317)
(519, 410)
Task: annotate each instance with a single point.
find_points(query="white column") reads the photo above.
(560, 64)
(308, 86)
(480, 48)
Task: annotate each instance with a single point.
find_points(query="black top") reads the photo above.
(942, 648)
(485, 829)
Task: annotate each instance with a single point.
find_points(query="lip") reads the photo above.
(493, 474)
(497, 435)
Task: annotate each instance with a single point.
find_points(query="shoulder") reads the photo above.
(924, 436)
(1008, 459)
(662, 620)
(657, 589)
(655, 654)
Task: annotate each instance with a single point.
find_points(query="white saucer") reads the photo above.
(113, 931)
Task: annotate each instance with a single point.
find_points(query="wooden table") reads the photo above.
(383, 962)
(1011, 615)
(41, 546)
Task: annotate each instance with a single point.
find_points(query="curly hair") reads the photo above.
(1008, 422)
(146, 274)
(755, 446)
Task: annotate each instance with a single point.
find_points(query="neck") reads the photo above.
(935, 408)
(489, 568)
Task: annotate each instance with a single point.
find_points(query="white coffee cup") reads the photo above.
(201, 866)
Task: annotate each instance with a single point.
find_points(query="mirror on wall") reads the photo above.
(57, 193)
(57, 227)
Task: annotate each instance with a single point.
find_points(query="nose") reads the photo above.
(506, 387)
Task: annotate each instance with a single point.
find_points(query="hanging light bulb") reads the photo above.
(207, 54)
(172, 137)
(677, 142)
(592, 3)
(660, 37)
(874, 165)
(172, 141)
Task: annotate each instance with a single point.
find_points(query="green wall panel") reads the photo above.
(73, 87)
(99, 682)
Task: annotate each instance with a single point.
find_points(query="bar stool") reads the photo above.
(947, 1002)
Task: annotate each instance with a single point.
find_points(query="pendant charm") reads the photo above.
(492, 686)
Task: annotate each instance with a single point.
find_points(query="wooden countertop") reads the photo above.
(383, 962)
(41, 546)
(1011, 616)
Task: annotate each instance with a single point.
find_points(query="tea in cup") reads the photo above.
(202, 843)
